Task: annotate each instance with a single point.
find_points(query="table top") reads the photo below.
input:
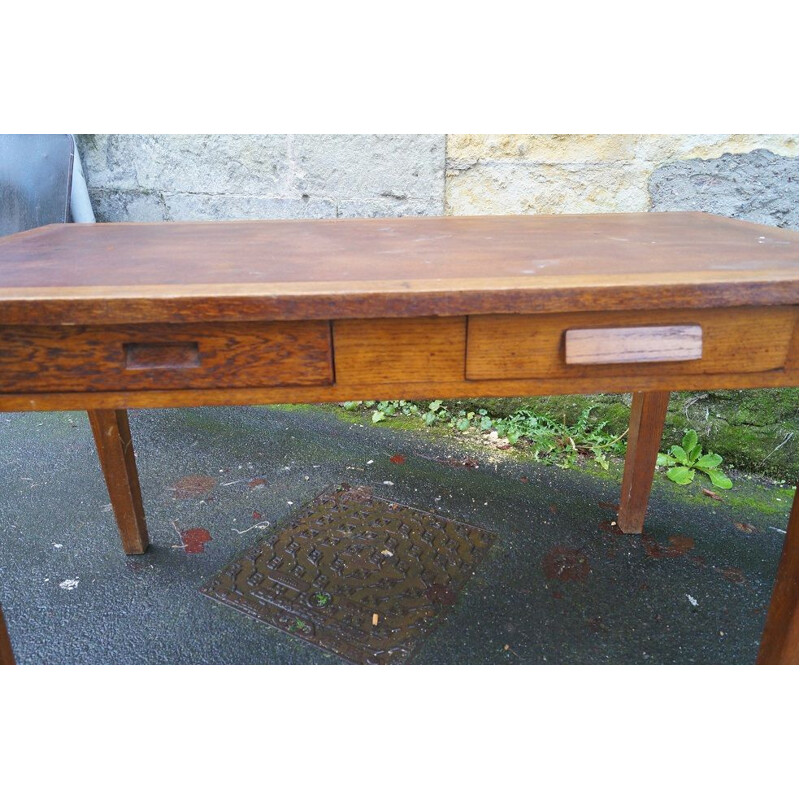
(412, 266)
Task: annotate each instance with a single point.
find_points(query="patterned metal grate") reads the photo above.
(358, 575)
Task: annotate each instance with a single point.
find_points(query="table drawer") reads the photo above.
(625, 343)
(127, 357)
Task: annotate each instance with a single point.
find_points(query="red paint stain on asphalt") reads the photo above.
(193, 486)
(194, 540)
(398, 459)
(257, 515)
(732, 574)
(565, 564)
(678, 546)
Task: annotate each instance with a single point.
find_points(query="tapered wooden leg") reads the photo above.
(779, 642)
(648, 411)
(6, 653)
(115, 449)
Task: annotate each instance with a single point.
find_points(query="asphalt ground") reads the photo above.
(559, 585)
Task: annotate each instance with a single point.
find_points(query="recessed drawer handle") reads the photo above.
(181, 355)
(634, 345)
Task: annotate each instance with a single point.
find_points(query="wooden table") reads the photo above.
(116, 316)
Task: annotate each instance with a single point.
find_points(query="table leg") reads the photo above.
(648, 411)
(112, 435)
(6, 653)
(779, 642)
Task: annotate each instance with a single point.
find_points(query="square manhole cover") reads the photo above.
(358, 575)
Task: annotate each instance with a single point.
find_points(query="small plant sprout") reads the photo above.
(686, 458)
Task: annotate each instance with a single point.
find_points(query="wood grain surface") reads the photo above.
(113, 357)
(112, 436)
(334, 269)
(639, 344)
(780, 643)
(368, 390)
(409, 351)
(6, 651)
(739, 340)
(648, 412)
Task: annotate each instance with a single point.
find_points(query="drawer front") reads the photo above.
(128, 357)
(706, 342)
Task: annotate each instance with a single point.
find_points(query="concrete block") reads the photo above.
(759, 186)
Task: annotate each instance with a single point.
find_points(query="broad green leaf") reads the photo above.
(378, 416)
(719, 479)
(462, 424)
(679, 453)
(689, 441)
(435, 405)
(709, 461)
(601, 459)
(429, 418)
(694, 454)
(664, 460)
(681, 475)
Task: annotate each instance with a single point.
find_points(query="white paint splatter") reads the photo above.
(69, 584)
(691, 600)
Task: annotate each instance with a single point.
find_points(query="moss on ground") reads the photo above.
(753, 430)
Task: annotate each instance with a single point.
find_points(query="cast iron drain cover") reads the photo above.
(355, 574)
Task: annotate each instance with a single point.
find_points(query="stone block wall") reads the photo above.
(750, 176)
(195, 177)
(187, 177)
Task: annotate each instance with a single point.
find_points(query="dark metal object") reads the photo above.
(35, 180)
(356, 574)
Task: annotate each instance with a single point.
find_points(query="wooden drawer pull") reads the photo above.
(634, 345)
(181, 355)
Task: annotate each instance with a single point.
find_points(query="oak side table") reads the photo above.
(115, 316)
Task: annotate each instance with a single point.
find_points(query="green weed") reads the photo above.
(687, 458)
